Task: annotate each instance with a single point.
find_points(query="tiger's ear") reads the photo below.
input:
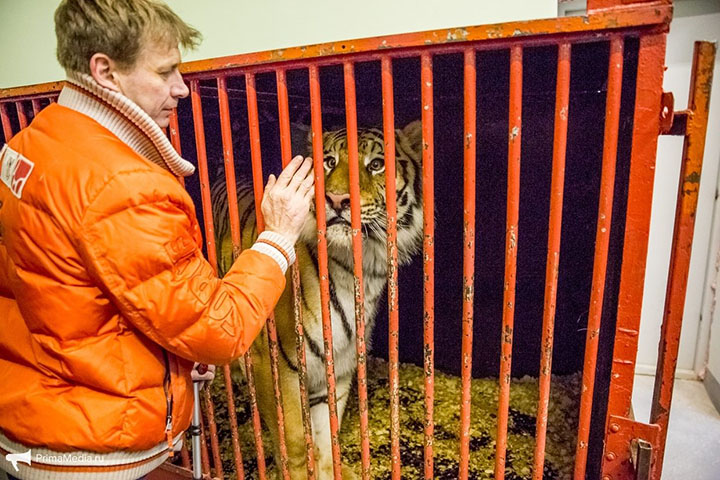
(411, 136)
(300, 139)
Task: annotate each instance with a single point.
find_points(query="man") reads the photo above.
(105, 298)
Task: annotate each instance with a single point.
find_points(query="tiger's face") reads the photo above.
(371, 167)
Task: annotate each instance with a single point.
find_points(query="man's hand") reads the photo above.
(286, 201)
(203, 373)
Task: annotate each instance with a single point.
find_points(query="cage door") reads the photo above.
(634, 450)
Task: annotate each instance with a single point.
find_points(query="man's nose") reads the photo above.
(339, 201)
(179, 89)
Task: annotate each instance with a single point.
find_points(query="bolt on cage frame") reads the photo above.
(631, 449)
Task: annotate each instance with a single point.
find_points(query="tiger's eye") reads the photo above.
(376, 164)
(330, 162)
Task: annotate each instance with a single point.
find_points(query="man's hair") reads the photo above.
(117, 28)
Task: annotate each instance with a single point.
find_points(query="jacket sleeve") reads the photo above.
(138, 245)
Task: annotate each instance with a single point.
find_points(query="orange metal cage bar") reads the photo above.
(562, 98)
(210, 243)
(602, 241)
(354, 179)
(689, 184)
(511, 243)
(316, 120)
(229, 162)
(285, 146)
(22, 116)
(392, 274)
(651, 54)
(271, 326)
(469, 143)
(428, 182)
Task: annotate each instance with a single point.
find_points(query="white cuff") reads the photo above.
(277, 247)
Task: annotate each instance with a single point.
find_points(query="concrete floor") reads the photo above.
(693, 444)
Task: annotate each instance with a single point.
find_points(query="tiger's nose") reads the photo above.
(339, 201)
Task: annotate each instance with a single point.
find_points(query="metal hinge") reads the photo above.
(672, 122)
(628, 449)
(641, 458)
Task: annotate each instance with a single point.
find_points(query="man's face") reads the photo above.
(154, 83)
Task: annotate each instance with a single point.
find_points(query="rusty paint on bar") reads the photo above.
(595, 5)
(284, 114)
(629, 16)
(562, 100)
(319, 169)
(602, 241)
(230, 397)
(255, 151)
(286, 155)
(6, 125)
(468, 285)
(257, 426)
(29, 91)
(689, 184)
(196, 101)
(185, 456)
(392, 263)
(229, 164)
(274, 353)
(203, 173)
(357, 237)
(443, 49)
(258, 182)
(646, 126)
(174, 131)
(204, 455)
(511, 240)
(214, 442)
(229, 161)
(36, 107)
(302, 372)
(22, 116)
(428, 182)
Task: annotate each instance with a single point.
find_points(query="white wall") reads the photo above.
(27, 38)
(710, 357)
(692, 22)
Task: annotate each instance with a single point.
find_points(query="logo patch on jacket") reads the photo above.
(14, 170)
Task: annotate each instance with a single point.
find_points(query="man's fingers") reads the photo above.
(308, 197)
(301, 174)
(270, 184)
(308, 183)
(289, 171)
(271, 181)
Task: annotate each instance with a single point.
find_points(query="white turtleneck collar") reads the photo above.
(124, 119)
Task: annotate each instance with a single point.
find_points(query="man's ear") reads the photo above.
(103, 69)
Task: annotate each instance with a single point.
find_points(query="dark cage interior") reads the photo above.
(588, 89)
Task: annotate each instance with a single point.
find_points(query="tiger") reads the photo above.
(371, 159)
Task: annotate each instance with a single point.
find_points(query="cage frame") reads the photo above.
(612, 20)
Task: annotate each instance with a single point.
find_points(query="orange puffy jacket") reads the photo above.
(104, 293)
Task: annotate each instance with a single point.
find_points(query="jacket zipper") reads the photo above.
(167, 387)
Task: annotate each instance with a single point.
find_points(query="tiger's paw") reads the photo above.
(348, 473)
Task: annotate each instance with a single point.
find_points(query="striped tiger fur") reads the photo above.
(340, 268)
